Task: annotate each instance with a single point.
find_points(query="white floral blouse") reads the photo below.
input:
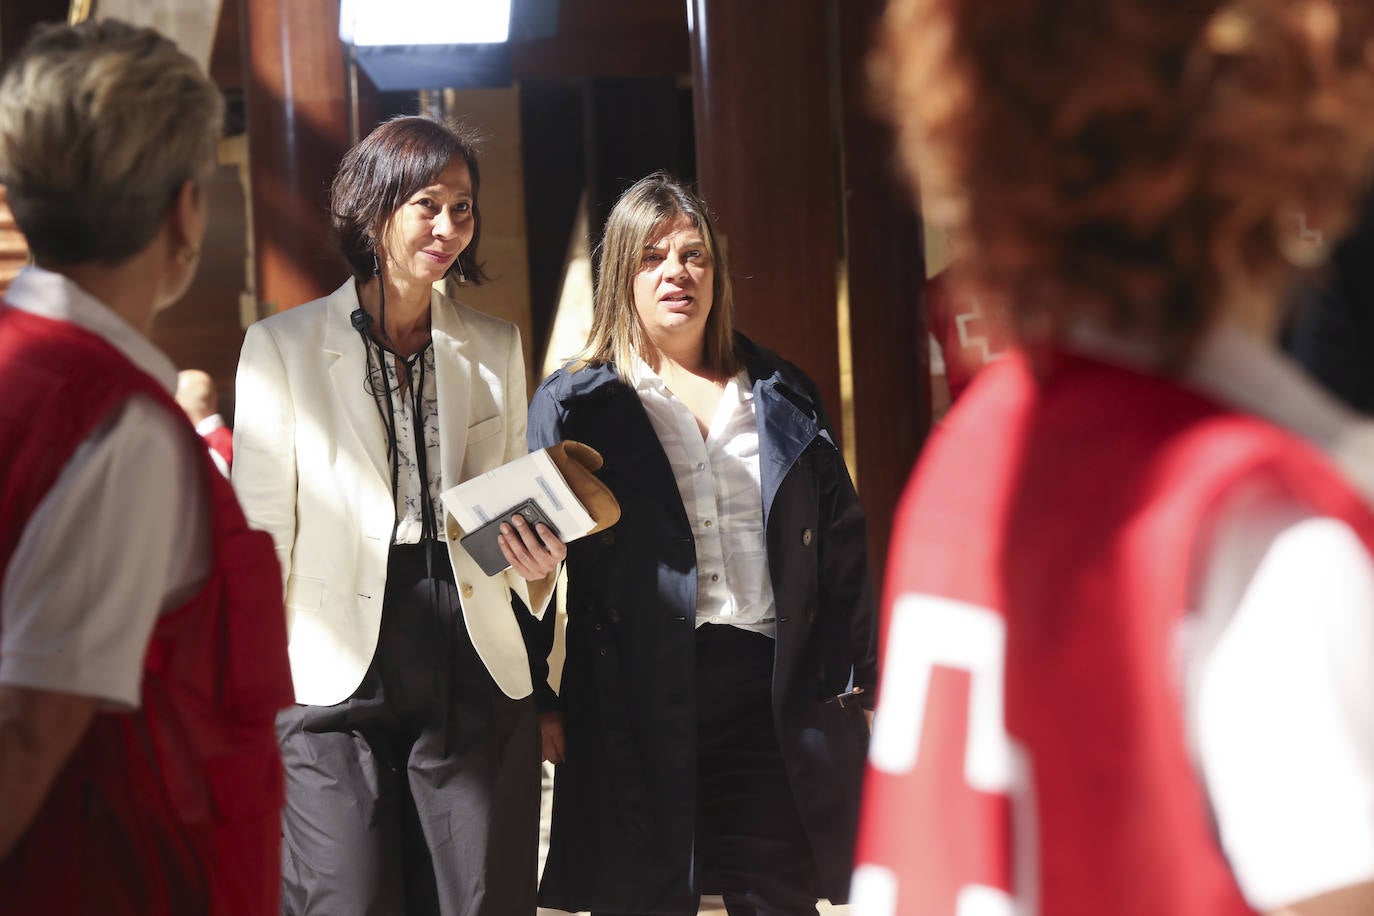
(410, 489)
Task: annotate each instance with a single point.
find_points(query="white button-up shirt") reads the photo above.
(410, 490)
(718, 480)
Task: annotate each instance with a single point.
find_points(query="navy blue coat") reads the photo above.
(623, 815)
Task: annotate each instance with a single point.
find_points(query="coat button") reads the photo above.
(466, 590)
(806, 538)
(608, 538)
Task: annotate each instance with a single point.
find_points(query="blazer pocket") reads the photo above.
(304, 593)
(485, 429)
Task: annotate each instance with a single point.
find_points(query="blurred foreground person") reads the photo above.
(1129, 644)
(142, 638)
(720, 641)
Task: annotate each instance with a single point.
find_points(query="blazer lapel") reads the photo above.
(348, 376)
(453, 382)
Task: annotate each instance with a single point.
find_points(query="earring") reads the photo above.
(188, 255)
(1301, 245)
(461, 277)
(376, 265)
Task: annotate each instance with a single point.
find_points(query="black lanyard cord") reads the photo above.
(429, 527)
(382, 396)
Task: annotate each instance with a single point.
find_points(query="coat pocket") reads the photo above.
(304, 593)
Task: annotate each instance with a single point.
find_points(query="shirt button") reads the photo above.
(806, 538)
(715, 577)
(701, 465)
(708, 523)
(466, 590)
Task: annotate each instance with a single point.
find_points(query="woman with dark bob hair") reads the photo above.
(412, 759)
(142, 644)
(1129, 633)
(720, 644)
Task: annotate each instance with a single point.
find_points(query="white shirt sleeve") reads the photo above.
(1281, 701)
(121, 537)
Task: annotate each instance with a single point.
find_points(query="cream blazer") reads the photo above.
(310, 468)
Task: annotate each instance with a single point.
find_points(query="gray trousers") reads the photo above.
(420, 793)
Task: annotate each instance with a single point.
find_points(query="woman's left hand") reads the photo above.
(532, 552)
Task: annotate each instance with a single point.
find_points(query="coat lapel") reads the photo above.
(453, 381)
(785, 431)
(348, 376)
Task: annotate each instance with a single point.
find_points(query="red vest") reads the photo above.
(1030, 736)
(174, 808)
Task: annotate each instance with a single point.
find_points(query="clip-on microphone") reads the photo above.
(361, 319)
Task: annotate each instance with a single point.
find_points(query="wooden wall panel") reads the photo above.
(226, 53)
(297, 114)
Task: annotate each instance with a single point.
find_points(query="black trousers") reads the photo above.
(420, 793)
(750, 845)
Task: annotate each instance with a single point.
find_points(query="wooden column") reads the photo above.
(824, 246)
(297, 114)
(766, 166)
(886, 276)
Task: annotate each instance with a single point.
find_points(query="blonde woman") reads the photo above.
(142, 641)
(720, 644)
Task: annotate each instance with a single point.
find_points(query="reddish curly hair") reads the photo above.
(1131, 163)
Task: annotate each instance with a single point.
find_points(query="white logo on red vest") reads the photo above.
(948, 821)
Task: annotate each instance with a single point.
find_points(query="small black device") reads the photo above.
(482, 544)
